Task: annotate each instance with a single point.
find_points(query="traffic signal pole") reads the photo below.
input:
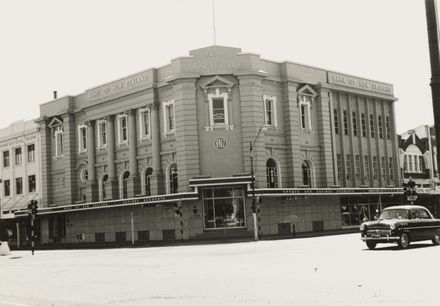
(32, 234)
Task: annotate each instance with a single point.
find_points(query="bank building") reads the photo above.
(170, 153)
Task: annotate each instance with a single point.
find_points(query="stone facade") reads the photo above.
(165, 130)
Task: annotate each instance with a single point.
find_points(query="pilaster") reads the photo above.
(46, 162)
(112, 185)
(252, 119)
(291, 127)
(69, 157)
(133, 181)
(92, 187)
(187, 144)
(325, 136)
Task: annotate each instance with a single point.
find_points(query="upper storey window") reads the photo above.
(217, 98)
(102, 134)
(82, 138)
(169, 117)
(144, 123)
(306, 96)
(122, 129)
(270, 111)
(56, 125)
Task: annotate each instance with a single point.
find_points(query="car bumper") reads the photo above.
(380, 239)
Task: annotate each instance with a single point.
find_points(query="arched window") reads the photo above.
(306, 173)
(103, 187)
(271, 173)
(147, 183)
(124, 189)
(172, 178)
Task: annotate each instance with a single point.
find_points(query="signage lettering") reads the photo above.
(359, 83)
(118, 87)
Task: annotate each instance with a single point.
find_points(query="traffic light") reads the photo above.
(33, 208)
(178, 209)
(410, 191)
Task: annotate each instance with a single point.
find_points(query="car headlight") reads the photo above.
(362, 227)
(392, 226)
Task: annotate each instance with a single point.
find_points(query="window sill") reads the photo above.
(219, 127)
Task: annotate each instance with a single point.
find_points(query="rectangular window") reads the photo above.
(410, 163)
(388, 127)
(354, 121)
(123, 129)
(169, 117)
(102, 133)
(145, 123)
(7, 186)
(364, 125)
(82, 137)
(18, 156)
(303, 116)
(348, 167)
(357, 167)
(223, 207)
(416, 163)
(383, 167)
(366, 168)
(59, 148)
(405, 163)
(345, 122)
(391, 168)
(18, 185)
(218, 112)
(336, 119)
(6, 159)
(379, 123)
(339, 165)
(270, 110)
(421, 164)
(372, 129)
(375, 168)
(31, 153)
(32, 183)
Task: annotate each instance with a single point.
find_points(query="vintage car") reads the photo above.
(401, 224)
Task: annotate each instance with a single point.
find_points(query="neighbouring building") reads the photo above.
(20, 179)
(418, 159)
(164, 154)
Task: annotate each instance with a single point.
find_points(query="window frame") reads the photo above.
(34, 184)
(305, 113)
(59, 139)
(82, 138)
(7, 157)
(142, 125)
(19, 185)
(165, 106)
(218, 95)
(18, 158)
(30, 153)
(102, 141)
(273, 115)
(120, 119)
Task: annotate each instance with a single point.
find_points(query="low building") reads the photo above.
(19, 174)
(418, 157)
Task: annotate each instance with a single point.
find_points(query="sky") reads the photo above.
(71, 46)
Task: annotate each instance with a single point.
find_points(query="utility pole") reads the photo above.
(432, 24)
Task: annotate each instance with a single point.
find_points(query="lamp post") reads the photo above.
(254, 208)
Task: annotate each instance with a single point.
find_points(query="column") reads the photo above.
(112, 185)
(187, 142)
(325, 137)
(92, 188)
(291, 126)
(69, 157)
(157, 176)
(252, 119)
(133, 180)
(45, 166)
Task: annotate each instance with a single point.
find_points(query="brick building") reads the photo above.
(165, 153)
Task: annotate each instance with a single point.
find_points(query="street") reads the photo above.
(330, 270)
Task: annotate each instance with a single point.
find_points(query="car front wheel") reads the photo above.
(371, 245)
(436, 239)
(404, 241)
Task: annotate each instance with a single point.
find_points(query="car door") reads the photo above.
(415, 225)
(428, 226)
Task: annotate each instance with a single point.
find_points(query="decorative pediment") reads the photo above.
(216, 82)
(308, 91)
(55, 121)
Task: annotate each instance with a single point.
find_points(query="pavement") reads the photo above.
(327, 270)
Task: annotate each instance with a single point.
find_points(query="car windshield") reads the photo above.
(394, 214)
